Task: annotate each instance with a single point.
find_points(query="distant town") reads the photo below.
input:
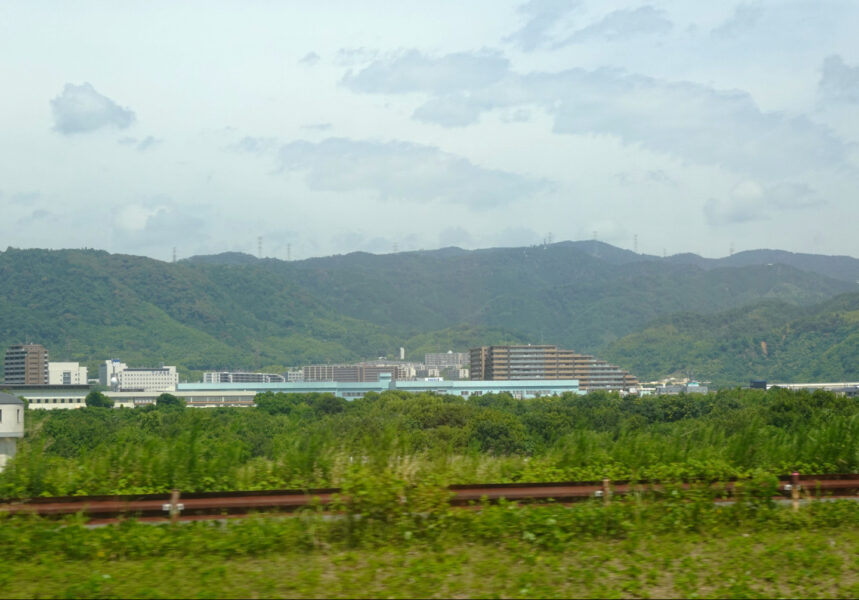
(523, 371)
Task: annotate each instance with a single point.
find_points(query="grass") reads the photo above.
(737, 564)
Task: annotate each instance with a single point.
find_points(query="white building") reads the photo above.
(162, 379)
(118, 376)
(242, 377)
(11, 426)
(109, 370)
(66, 373)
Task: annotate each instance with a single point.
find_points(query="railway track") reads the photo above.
(219, 505)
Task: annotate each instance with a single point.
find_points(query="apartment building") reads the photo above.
(446, 360)
(366, 372)
(528, 362)
(26, 364)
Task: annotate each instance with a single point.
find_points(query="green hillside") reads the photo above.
(771, 340)
(236, 311)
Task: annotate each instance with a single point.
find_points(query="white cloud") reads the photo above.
(752, 201)
(310, 59)
(691, 121)
(622, 24)
(840, 82)
(543, 17)
(744, 19)
(403, 171)
(81, 109)
(414, 71)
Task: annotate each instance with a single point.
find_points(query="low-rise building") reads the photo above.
(66, 373)
(242, 377)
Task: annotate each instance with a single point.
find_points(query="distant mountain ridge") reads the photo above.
(234, 310)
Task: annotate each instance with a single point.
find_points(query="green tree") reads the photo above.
(166, 400)
(98, 400)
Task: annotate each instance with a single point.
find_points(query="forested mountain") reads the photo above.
(770, 340)
(234, 310)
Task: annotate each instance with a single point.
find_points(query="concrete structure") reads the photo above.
(66, 373)
(120, 377)
(364, 371)
(447, 360)
(108, 372)
(198, 399)
(295, 375)
(499, 363)
(692, 387)
(357, 389)
(846, 388)
(26, 364)
(11, 426)
(160, 379)
(49, 397)
(242, 377)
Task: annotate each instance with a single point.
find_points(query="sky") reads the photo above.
(299, 129)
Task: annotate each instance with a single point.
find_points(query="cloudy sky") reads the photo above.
(330, 127)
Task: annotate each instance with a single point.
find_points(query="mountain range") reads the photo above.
(761, 313)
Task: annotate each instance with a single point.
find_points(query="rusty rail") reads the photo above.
(217, 505)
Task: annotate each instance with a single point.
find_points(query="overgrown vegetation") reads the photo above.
(391, 532)
(315, 440)
(685, 546)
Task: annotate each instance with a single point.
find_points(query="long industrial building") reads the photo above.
(52, 397)
(538, 362)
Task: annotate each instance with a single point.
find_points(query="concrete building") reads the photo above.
(206, 395)
(364, 371)
(242, 377)
(356, 389)
(26, 364)
(51, 397)
(499, 363)
(161, 379)
(692, 387)
(11, 426)
(108, 372)
(120, 377)
(446, 360)
(66, 373)
(845, 388)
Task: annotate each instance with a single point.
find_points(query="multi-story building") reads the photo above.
(294, 375)
(498, 363)
(446, 360)
(108, 372)
(66, 373)
(26, 364)
(366, 371)
(242, 377)
(120, 377)
(161, 379)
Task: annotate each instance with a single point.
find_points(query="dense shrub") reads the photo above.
(313, 440)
